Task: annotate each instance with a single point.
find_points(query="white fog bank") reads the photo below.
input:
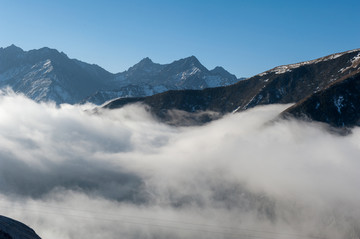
(69, 173)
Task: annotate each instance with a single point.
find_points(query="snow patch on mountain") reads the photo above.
(188, 73)
(48, 75)
(282, 69)
(338, 102)
(355, 62)
(288, 68)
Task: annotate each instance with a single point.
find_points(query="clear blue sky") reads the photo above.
(245, 37)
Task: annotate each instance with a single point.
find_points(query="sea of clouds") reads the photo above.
(70, 172)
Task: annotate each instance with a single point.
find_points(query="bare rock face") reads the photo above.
(11, 229)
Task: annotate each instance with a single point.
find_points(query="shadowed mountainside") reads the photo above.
(280, 85)
(11, 229)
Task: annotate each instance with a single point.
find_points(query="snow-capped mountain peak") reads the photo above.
(148, 78)
(49, 75)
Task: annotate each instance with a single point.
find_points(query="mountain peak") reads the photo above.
(222, 72)
(146, 60)
(13, 49)
(189, 62)
(13, 46)
(47, 50)
(144, 63)
(192, 59)
(218, 69)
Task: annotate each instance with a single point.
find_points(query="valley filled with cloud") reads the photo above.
(72, 172)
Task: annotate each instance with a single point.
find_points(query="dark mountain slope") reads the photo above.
(338, 104)
(11, 229)
(283, 84)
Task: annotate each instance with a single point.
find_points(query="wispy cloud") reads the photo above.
(70, 173)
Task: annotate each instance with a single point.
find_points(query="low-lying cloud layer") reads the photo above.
(70, 173)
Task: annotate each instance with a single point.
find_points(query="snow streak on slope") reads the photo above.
(69, 173)
(287, 68)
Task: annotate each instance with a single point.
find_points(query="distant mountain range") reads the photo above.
(185, 92)
(48, 75)
(326, 90)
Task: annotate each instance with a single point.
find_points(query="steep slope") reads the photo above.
(148, 78)
(11, 229)
(47, 74)
(283, 84)
(338, 104)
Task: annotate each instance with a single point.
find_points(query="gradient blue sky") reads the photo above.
(245, 37)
